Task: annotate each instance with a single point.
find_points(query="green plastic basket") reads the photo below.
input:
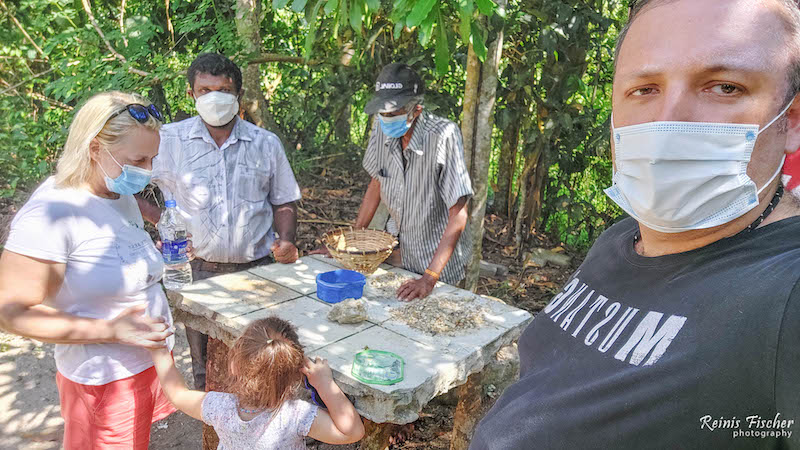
(378, 367)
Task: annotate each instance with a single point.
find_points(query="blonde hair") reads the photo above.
(92, 121)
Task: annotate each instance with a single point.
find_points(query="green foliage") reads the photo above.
(556, 70)
(556, 81)
(420, 16)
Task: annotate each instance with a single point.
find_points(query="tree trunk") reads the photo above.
(216, 377)
(536, 194)
(531, 188)
(506, 168)
(342, 125)
(159, 98)
(471, 89)
(530, 165)
(248, 18)
(481, 151)
(468, 410)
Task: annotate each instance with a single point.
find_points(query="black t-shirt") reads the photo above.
(678, 351)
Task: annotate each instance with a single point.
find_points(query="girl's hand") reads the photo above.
(318, 372)
(131, 327)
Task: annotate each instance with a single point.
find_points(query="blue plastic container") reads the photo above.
(338, 285)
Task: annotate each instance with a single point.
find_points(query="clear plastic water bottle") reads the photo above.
(174, 243)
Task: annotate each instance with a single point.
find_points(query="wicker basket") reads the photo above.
(361, 250)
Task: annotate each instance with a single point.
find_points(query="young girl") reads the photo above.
(261, 410)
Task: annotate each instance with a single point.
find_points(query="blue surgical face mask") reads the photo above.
(132, 180)
(396, 126)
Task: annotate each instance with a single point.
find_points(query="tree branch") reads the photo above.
(36, 95)
(55, 102)
(274, 57)
(169, 24)
(122, 22)
(19, 25)
(88, 8)
(11, 88)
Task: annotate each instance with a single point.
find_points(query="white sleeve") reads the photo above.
(454, 181)
(304, 414)
(165, 166)
(283, 186)
(212, 407)
(41, 229)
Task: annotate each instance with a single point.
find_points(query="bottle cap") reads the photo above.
(170, 203)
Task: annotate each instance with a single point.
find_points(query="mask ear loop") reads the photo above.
(101, 166)
(115, 159)
(771, 122)
(783, 160)
(775, 175)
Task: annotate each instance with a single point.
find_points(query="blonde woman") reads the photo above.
(79, 271)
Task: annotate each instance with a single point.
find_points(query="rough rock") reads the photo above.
(349, 311)
(539, 257)
(502, 371)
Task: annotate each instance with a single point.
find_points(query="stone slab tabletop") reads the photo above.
(223, 306)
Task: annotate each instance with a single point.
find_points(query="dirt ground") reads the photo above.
(29, 407)
(30, 416)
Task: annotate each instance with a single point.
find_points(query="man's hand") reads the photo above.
(414, 289)
(284, 251)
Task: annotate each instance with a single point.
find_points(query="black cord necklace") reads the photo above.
(771, 207)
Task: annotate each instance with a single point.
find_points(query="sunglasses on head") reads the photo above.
(140, 112)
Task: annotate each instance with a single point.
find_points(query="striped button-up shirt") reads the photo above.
(225, 193)
(420, 195)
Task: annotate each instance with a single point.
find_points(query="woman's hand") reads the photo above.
(189, 247)
(132, 327)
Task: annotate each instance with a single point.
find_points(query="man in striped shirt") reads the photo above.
(416, 161)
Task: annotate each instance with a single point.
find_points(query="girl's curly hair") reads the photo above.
(265, 364)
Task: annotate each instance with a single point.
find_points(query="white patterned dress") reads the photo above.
(285, 428)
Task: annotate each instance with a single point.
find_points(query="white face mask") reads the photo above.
(680, 176)
(217, 108)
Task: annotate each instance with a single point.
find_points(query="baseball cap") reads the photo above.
(397, 84)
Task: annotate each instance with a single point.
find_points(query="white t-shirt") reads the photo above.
(284, 429)
(112, 264)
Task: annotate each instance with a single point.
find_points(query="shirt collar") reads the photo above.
(239, 132)
(418, 137)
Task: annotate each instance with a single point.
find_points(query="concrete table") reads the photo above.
(223, 306)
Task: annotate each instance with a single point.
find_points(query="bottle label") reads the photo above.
(174, 252)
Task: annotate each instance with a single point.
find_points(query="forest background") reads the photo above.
(529, 81)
